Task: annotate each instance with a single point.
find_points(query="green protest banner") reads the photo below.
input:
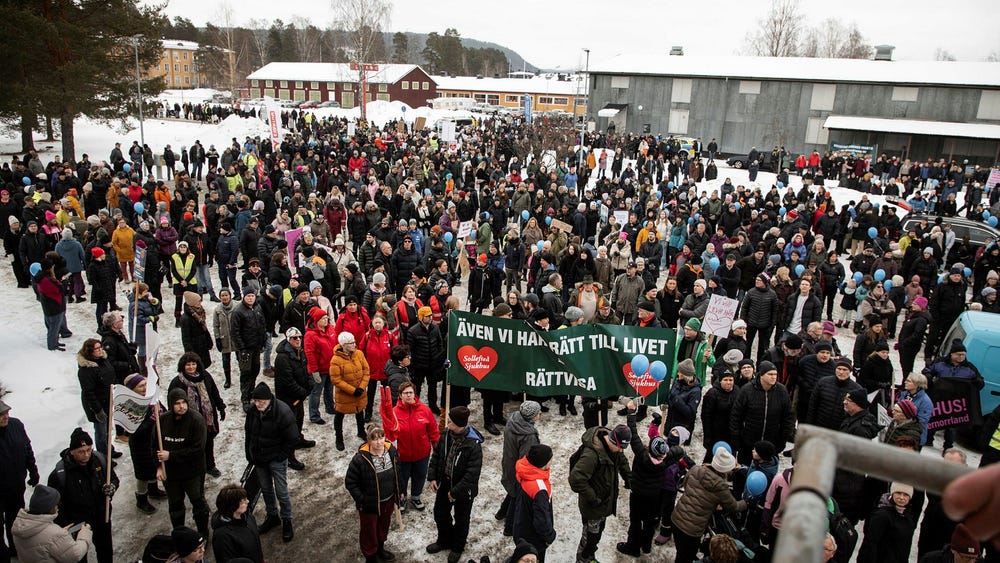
(590, 360)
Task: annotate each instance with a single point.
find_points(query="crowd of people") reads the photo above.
(337, 260)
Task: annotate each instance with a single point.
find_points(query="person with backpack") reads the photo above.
(593, 475)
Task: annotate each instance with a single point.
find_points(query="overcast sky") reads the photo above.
(553, 34)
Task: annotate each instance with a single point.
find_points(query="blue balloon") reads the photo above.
(26, 181)
(756, 483)
(721, 444)
(879, 274)
(139, 207)
(127, 168)
(781, 185)
(857, 276)
(877, 205)
(670, 185)
(427, 192)
(540, 245)
(640, 364)
(448, 237)
(941, 278)
(799, 269)
(548, 220)
(887, 285)
(35, 268)
(986, 214)
(690, 220)
(487, 214)
(659, 195)
(472, 233)
(967, 272)
(872, 232)
(714, 263)
(525, 215)
(697, 216)
(992, 221)
(782, 211)
(658, 370)
(738, 206)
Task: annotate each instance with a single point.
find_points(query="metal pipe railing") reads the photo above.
(820, 453)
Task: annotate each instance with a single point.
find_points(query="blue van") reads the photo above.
(980, 332)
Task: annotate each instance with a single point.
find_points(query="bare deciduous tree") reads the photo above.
(777, 34)
(258, 38)
(362, 21)
(307, 39)
(835, 40)
(228, 47)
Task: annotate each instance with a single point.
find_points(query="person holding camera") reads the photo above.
(38, 538)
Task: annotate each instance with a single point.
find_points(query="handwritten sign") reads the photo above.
(561, 225)
(719, 316)
(464, 229)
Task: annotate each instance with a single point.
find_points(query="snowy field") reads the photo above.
(45, 396)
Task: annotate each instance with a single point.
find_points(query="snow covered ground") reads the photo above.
(45, 395)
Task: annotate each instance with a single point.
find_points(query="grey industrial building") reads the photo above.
(914, 108)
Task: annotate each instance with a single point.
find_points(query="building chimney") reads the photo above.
(677, 50)
(884, 52)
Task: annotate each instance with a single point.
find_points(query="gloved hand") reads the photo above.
(33, 479)
(895, 345)
(102, 417)
(109, 490)
(316, 377)
(222, 414)
(218, 344)
(358, 391)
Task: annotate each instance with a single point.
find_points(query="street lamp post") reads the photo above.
(138, 87)
(583, 120)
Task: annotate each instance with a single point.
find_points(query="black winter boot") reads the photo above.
(142, 503)
(338, 427)
(229, 379)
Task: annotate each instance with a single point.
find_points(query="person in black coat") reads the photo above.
(936, 528)
(17, 462)
(80, 477)
(456, 483)
(888, 530)
(236, 535)
(759, 309)
(270, 440)
(812, 308)
(118, 350)
(826, 406)
(532, 512)
(716, 407)
(427, 355)
(195, 380)
(373, 483)
(877, 373)
(292, 382)
(762, 410)
(812, 369)
(142, 450)
(848, 487)
(246, 330)
(684, 397)
(195, 334)
(183, 457)
(96, 376)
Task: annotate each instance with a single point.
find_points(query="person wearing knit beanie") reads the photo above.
(963, 543)
(133, 381)
(907, 408)
(529, 410)
(44, 500)
(459, 416)
(723, 461)
(539, 455)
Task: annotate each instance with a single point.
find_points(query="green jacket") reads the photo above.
(595, 476)
(701, 366)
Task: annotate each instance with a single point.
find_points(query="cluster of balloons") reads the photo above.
(641, 364)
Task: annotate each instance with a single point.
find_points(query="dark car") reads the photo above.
(764, 164)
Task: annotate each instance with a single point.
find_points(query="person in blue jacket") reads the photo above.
(916, 391)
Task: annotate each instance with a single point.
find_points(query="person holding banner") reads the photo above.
(96, 375)
(956, 368)
(142, 450)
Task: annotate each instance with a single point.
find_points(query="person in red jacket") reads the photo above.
(375, 345)
(320, 340)
(353, 319)
(814, 162)
(415, 432)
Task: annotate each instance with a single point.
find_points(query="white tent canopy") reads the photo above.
(913, 127)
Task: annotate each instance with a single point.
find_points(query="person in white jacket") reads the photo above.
(38, 539)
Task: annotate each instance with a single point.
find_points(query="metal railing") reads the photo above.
(820, 453)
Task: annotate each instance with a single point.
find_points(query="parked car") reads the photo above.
(308, 104)
(288, 103)
(980, 234)
(329, 104)
(764, 164)
(687, 145)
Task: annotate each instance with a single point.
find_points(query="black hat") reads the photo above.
(793, 342)
(647, 306)
(882, 346)
(859, 398)
(350, 299)
(957, 346)
(43, 500)
(262, 391)
(186, 540)
(620, 436)
(764, 449)
(80, 438)
(522, 549)
(745, 362)
(873, 319)
(539, 314)
(824, 345)
(459, 416)
(539, 455)
(765, 366)
(353, 268)
(530, 298)
(845, 362)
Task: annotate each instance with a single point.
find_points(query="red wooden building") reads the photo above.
(321, 82)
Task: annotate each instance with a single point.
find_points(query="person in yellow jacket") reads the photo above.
(123, 241)
(183, 276)
(349, 373)
(645, 234)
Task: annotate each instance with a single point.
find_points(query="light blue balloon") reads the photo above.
(756, 483)
(967, 272)
(670, 185)
(782, 211)
(857, 276)
(548, 220)
(448, 237)
(427, 192)
(35, 268)
(872, 232)
(690, 220)
(26, 181)
(658, 370)
(992, 221)
(139, 208)
(799, 269)
(877, 205)
(472, 233)
(640, 364)
(721, 444)
(659, 195)
(487, 213)
(887, 285)
(714, 263)
(781, 185)
(127, 168)
(879, 274)
(540, 245)
(941, 278)
(986, 214)
(697, 216)
(525, 215)
(738, 206)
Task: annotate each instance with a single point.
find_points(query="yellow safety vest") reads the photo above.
(184, 268)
